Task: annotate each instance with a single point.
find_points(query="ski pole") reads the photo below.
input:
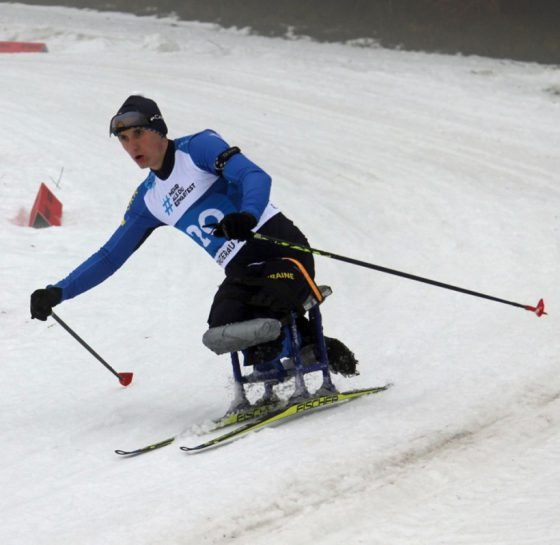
(124, 378)
(538, 310)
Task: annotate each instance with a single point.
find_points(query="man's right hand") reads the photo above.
(43, 301)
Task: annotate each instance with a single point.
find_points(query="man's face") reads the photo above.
(146, 148)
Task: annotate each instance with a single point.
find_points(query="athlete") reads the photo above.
(216, 196)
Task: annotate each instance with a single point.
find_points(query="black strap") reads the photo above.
(224, 157)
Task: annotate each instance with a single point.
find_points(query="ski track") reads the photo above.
(532, 429)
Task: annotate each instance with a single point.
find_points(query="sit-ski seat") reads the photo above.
(294, 360)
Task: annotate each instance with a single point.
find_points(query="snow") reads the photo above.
(442, 166)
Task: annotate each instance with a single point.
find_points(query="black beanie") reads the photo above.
(146, 106)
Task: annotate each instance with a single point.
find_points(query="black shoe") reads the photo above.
(341, 358)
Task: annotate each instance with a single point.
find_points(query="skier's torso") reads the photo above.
(190, 199)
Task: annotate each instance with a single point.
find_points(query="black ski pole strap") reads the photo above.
(224, 157)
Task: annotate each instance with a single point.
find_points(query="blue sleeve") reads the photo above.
(252, 181)
(136, 226)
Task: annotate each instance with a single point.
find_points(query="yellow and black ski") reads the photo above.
(294, 409)
(241, 416)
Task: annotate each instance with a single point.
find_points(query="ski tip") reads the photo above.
(538, 310)
(192, 450)
(125, 378)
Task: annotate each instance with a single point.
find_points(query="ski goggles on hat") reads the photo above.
(129, 120)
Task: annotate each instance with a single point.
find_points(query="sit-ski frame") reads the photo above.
(273, 372)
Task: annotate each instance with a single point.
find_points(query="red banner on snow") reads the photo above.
(47, 209)
(22, 47)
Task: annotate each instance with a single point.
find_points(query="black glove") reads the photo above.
(43, 301)
(236, 226)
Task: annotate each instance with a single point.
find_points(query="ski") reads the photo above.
(230, 419)
(291, 410)
(244, 415)
(147, 448)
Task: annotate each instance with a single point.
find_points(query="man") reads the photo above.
(219, 198)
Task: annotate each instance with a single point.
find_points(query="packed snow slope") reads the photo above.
(444, 167)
